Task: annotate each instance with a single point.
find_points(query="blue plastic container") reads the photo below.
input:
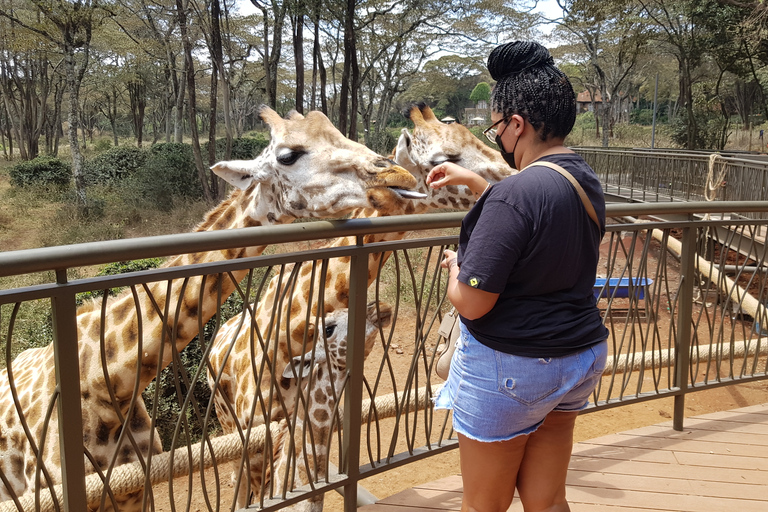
(619, 287)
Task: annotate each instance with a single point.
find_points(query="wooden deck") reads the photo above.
(719, 463)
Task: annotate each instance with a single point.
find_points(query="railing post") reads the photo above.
(353, 396)
(684, 318)
(64, 311)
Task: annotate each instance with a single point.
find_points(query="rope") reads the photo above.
(710, 192)
(130, 478)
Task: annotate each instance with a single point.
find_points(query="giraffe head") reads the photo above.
(432, 143)
(313, 384)
(333, 352)
(311, 170)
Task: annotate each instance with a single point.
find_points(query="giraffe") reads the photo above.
(308, 170)
(311, 386)
(244, 348)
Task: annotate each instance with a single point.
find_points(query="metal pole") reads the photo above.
(69, 407)
(653, 126)
(353, 396)
(685, 313)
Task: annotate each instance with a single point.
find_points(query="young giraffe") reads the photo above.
(311, 387)
(238, 353)
(309, 169)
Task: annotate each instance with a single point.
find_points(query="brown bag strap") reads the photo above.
(583, 195)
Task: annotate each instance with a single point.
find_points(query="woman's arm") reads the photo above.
(449, 173)
(471, 303)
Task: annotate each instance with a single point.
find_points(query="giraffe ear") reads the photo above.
(403, 150)
(301, 366)
(379, 313)
(240, 173)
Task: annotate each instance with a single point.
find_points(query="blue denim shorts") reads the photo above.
(497, 396)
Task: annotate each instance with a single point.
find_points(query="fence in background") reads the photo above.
(666, 175)
(683, 300)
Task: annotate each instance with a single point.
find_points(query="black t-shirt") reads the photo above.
(530, 239)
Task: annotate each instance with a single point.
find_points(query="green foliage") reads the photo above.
(477, 131)
(102, 145)
(114, 165)
(43, 170)
(641, 116)
(32, 327)
(120, 267)
(481, 92)
(170, 399)
(382, 141)
(584, 121)
(709, 131)
(168, 173)
(170, 392)
(243, 148)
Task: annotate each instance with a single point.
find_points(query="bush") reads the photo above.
(709, 128)
(243, 148)
(113, 166)
(477, 131)
(102, 145)
(168, 173)
(382, 142)
(43, 170)
(121, 267)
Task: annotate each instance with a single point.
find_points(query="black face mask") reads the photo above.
(508, 157)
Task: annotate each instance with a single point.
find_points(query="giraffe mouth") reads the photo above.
(407, 194)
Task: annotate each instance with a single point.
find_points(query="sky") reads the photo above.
(547, 7)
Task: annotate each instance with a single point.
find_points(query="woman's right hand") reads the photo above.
(448, 173)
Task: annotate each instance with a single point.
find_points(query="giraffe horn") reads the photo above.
(270, 117)
(294, 115)
(427, 114)
(415, 115)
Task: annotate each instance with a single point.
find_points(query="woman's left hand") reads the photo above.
(448, 255)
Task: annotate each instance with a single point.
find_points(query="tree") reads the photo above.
(679, 33)
(481, 92)
(609, 37)
(69, 25)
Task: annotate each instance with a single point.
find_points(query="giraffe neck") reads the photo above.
(136, 339)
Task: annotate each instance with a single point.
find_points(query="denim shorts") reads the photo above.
(497, 396)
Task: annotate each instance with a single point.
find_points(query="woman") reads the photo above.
(532, 345)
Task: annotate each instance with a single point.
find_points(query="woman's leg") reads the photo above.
(542, 473)
(488, 473)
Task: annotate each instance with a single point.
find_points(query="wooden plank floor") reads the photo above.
(718, 463)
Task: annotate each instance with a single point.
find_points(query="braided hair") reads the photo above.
(529, 84)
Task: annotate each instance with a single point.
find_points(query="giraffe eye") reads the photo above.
(329, 330)
(290, 157)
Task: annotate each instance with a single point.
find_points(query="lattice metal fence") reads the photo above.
(140, 399)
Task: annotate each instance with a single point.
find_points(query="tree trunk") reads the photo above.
(298, 56)
(189, 70)
(347, 91)
(212, 124)
(137, 92)
(178, 133)
(219, 71)
(73, 86)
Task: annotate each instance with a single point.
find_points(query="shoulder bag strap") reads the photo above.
(583, 195)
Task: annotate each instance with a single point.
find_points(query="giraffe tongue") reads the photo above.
(408, 194)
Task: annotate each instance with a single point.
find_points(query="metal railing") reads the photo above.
(684, 306)
(664, 175)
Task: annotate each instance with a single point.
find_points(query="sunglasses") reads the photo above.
(491, 132)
